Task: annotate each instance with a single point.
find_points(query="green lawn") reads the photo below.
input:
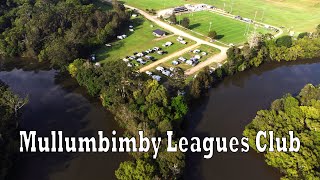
(139, 40)
(204, 48)
(302, 15)
(229, 30)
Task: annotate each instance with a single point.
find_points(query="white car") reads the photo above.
(141, 61)
(168, 43)
(148, 73)
(197, 57)
(156, 77)
(160, 52)
(156, 48)
(189, 62)
(166, 72)
(182, 59)
(125, 60)
(175, 63)
(140, 55)
(196, 51)
(129, 65)
(180, 38)
(159, 68)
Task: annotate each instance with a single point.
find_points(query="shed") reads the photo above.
(159, 33)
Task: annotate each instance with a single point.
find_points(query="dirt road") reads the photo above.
(217, 58)
(171, 56)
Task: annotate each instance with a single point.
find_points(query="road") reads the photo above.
(171, 56)
(217, 58)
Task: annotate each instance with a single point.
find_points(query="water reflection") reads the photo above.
(57, 103)
(231, 105)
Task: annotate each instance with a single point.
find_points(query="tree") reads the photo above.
(177, 80)
(9, 138)
(180, 106)
(301, 115)
(318, 29)
(255, 39)
(285, 41)
(156, 93)
(57, 31)
(212, 34)
(13, 101)
(135, 170)
(303, 34)
(195, 89)
(173, 18)
(185, 22)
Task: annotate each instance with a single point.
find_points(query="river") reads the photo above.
(231, 105)
(58, 103)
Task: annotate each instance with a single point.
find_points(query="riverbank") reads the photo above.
(56, 102)
(243, 94)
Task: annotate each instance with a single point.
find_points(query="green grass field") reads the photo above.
(228, 30)
(204, 48)
(139, 40)
(301, 15)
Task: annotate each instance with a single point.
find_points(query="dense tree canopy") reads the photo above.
(212, 34)
(185, 22)
(262, 48)
(8, 130)
(140, 103)
(285, 41)
(300, 114)
(58, 31)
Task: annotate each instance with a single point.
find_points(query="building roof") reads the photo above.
(159, 32)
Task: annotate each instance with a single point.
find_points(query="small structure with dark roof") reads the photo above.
(180, 9)
(159, 33)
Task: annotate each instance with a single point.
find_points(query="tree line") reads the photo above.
(300, 114)
(56, 31)
(139, 103)
(10, 103)
(264, 48)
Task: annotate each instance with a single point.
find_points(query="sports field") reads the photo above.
(229, 30)
(301, 15)
(140, 40)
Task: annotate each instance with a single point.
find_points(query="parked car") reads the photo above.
(156, 48)
(166, 72)
(156, 77)
(160, 68)
(175, 63)
(148, 73)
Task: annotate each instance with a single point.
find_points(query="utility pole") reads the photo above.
(249, 24)
(262, 15)
(231, 7)
(255, 16)
(224, 6)
(210, 26)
